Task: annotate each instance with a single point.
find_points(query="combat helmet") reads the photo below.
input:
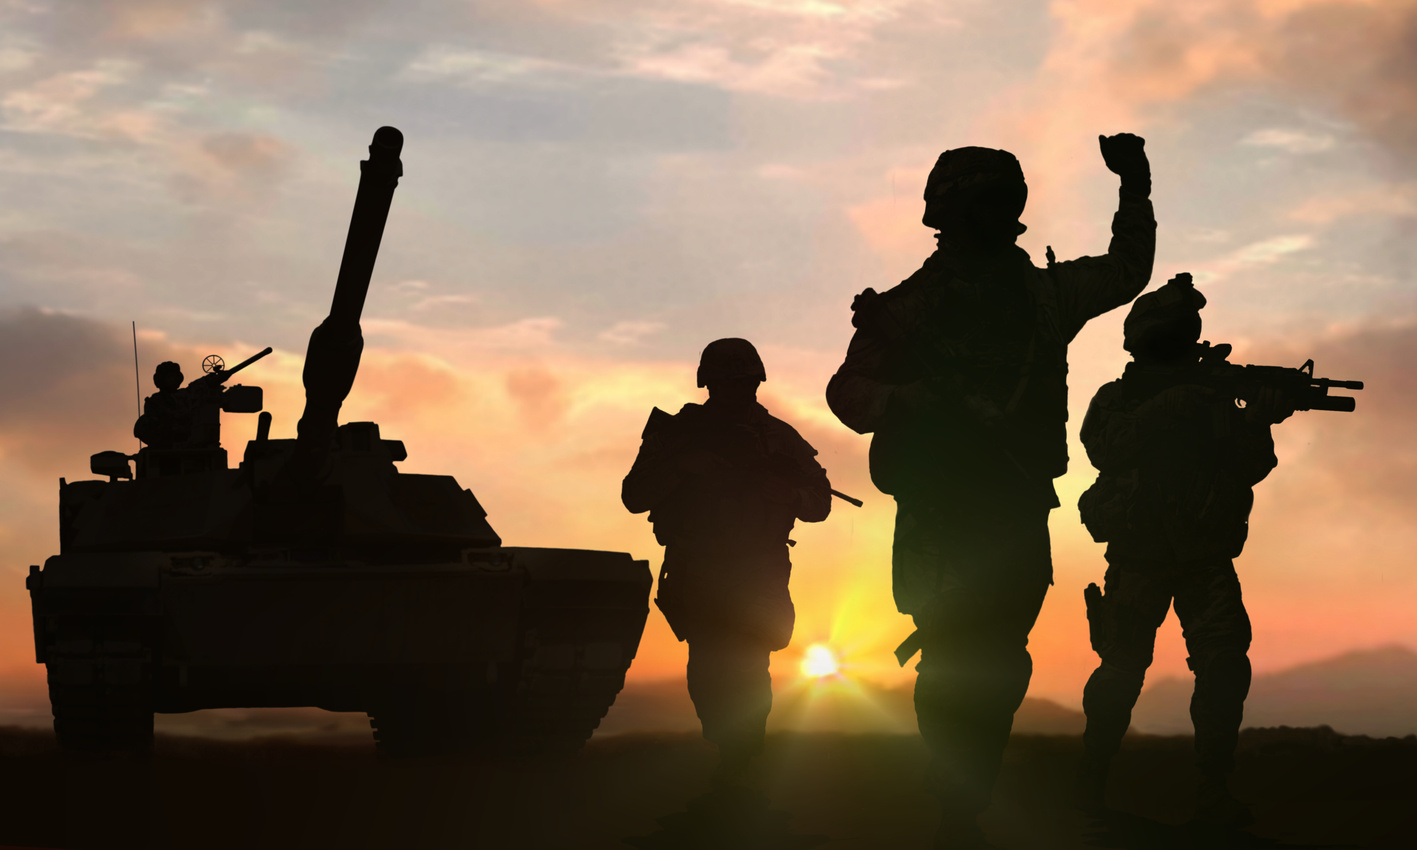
(726, 359)
(1165, 320)
(168, 376)
(963, 175)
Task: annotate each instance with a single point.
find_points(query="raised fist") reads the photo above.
(1125, 156)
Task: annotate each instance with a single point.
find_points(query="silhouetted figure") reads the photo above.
(168, 414)
(724, 482)
(961, 373)
(1176, 461)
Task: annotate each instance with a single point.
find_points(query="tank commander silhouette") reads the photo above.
(168, 415)
(1176, 462)
(724, 483)
(961, 372)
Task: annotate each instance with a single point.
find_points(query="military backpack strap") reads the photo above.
(909, 647)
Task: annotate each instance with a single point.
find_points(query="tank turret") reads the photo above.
(316, 573)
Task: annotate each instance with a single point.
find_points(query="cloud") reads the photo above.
(1366, 460)
(484, 68)
(1396, 200)
(521, 336)
(68, 388)
(64, 104)
(1291, 141)
(630, 332)
(539, 395)
(1266, 252)
(225, 165)
(797, 50)
(1352, 56)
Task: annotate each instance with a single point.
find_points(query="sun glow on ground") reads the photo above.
(819, 661)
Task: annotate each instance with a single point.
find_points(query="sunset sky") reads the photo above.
(595, 189)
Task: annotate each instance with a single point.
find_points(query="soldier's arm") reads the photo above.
(1091, 286)
(1249, 447)
(814, 494)
(859, 392)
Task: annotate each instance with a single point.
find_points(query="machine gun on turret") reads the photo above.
(236, 399)
(182, 425)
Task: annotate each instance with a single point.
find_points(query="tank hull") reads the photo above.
(504, 648)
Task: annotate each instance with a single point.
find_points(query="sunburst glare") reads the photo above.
(819, 661)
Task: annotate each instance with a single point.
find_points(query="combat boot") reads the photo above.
(1216, 806)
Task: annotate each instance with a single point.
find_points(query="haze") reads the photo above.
(595, 189)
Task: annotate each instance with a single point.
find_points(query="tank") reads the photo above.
(315, 573)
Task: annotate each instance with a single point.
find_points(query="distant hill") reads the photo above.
(1368, 692)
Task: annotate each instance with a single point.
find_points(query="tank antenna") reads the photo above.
(137, 378)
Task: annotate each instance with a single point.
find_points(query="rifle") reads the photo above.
(1307, 391)
(664, 423)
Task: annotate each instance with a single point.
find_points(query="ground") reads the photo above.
(1309, 787)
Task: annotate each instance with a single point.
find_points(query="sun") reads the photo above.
(819, 661)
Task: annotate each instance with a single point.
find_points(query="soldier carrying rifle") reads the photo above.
(1176, 459)
(724, 483)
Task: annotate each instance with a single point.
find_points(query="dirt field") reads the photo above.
(1310, 788)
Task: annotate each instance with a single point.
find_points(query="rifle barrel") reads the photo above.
(845, 498)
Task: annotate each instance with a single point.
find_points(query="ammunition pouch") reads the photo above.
(1106, 506)
(695, 600)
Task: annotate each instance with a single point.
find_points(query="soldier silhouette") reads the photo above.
(724, 483)
(1176, 462)
(167, 419)
(961, 373)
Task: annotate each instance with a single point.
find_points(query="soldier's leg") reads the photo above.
(1217, 632)
(974, 666)
(1135, 603)
(732, 692)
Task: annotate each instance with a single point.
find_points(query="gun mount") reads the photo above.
(316, 573)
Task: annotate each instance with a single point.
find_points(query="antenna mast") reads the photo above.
(137, 379)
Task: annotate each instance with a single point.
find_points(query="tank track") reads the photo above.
(563, 690)
(101, 686)
(561, 693)
(570, 670)
(434, 724)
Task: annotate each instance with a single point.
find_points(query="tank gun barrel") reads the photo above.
(379, 176)
(332, 358)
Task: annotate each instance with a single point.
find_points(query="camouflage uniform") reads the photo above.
(1176, 463)
(724, 583)
(972, 475)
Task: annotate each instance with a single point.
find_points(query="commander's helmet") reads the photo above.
(168, 376)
